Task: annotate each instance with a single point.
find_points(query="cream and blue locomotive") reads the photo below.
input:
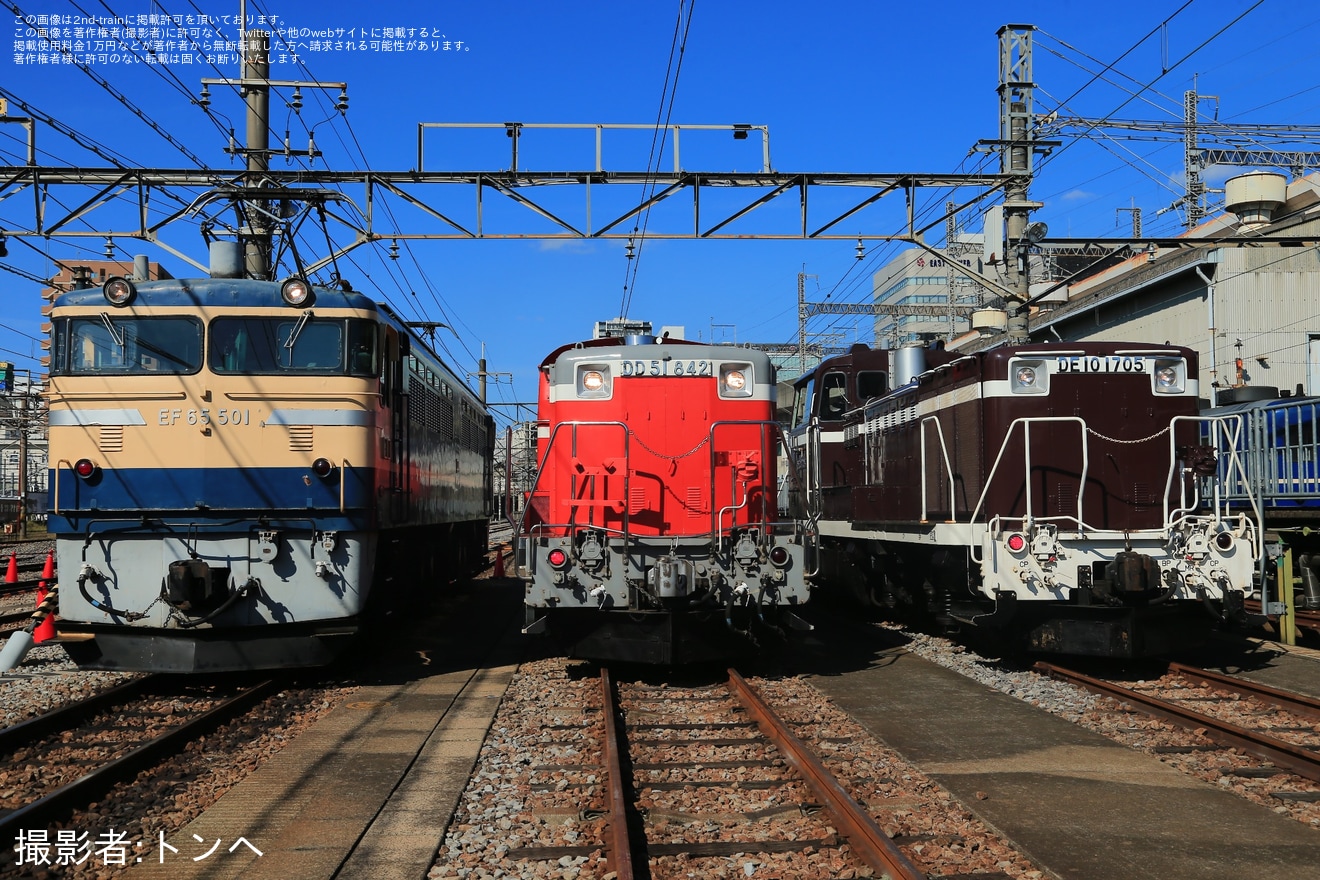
(245, 472)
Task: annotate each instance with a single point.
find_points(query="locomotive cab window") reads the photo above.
(305, 344)
(799, 405)
(130, 346)
(871, 383)
(835, 390)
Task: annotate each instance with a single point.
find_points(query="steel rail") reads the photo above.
(15, 618)
(619, 846)
(1299, 703)
(1286, 755)
(126, 767)
(866, 838)
(70, 714)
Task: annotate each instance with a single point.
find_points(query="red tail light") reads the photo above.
(557, 558)
(86, 468)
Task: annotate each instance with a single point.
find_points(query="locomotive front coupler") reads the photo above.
(252, 585)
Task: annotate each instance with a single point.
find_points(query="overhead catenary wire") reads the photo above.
(664, 112)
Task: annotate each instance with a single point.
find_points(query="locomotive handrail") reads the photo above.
(717, 518)
(814, 500)
(63, 461)
(540, 471)
(1231, 426)
(944, 451)
(1026, 440)
(343, 473)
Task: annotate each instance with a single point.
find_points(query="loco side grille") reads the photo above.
(300, 438)
(111, 438)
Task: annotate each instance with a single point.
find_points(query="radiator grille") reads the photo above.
(696, 501)
(112, 438)
(300, 438)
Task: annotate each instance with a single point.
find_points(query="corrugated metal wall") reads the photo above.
(1268, 298)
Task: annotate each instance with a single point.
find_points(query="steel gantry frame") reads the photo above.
(325, 190)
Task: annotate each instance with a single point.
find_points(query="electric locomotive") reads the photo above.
(244, 473)
(1061, 497)
(652, 532)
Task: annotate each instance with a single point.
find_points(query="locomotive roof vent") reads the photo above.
(1255, 197)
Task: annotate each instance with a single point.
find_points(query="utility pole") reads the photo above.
(802, 322)
(1136, 219)
(256, 68)
(20, 402)
(482, 373)
(1016, 156)
(258, 221)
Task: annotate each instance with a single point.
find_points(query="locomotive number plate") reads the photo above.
(1100, 363)
(675, 367)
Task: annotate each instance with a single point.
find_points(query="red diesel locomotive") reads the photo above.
(651, 533)
(1058, 495)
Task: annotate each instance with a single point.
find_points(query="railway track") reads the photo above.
(12, 620)
(66, 758)
(710, 773)
(1275, 726)
(1305, 619)
(662, 742)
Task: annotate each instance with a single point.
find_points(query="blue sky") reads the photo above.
(842, 86)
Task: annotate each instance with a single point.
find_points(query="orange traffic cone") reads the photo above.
(11, 576)
(499, 563)
(45, 630)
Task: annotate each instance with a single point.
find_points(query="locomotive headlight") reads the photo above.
(593, 381)
(118, 291)
(1029, 377)
(86, 468)
(735, 380)
(296, 292)
(1170, 376)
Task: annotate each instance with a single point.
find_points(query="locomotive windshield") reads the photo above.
(305, 344)
(131, 346)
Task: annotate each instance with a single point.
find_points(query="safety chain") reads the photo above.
(1091, 430)
(694, 449)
